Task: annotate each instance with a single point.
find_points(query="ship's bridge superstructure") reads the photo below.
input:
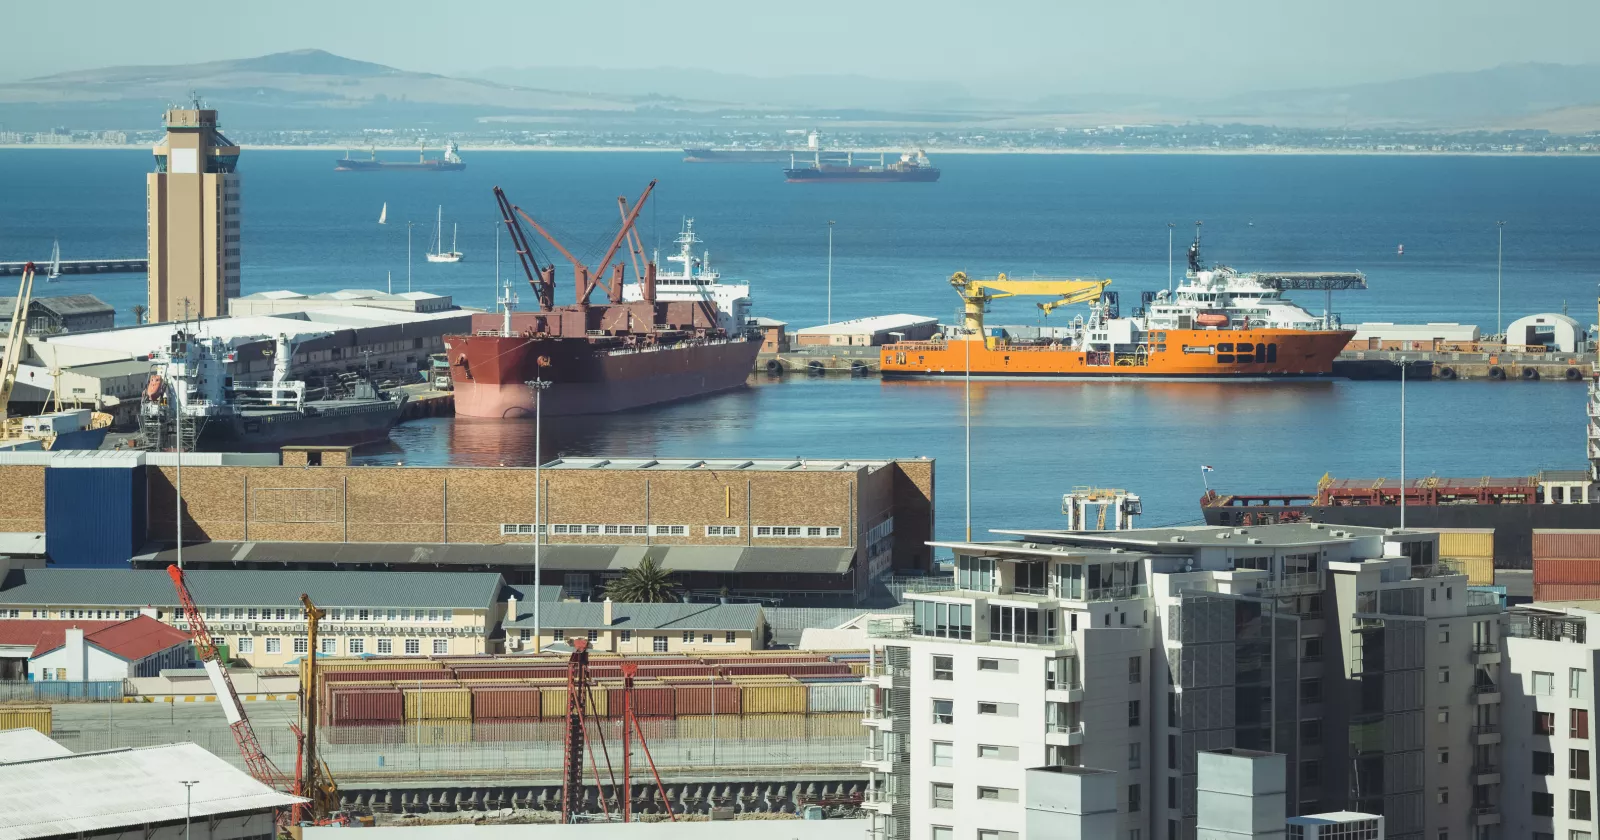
(695, 280)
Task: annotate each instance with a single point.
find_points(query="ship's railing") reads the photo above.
(281, 394)
(658, 348)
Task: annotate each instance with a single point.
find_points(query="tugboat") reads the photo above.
(191, 401)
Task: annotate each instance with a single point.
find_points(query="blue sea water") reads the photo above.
(311, 229)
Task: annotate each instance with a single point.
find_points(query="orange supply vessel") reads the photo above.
(1219, 323)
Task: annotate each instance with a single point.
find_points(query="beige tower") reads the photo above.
(194, 219)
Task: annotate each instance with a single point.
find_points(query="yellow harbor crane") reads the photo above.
(977, 293)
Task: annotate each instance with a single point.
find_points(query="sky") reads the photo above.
(1032, 47)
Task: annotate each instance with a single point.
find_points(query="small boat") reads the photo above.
(55, 263)
(1401, 251)
(436, 252)
(383, 215)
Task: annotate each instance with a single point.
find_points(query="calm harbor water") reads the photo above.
(311, 229)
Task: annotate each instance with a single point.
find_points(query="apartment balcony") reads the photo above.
(879, 759)
(1124, 592)
(1302, 583)
(1486, 815)
(877, 800)
(1064, 734)
(898, 627)
(1485, 694)
(1486, 653)
(1047, 640)
(1063, 692)
(1486, 733)
(1486, 774)
(882, 674)
(878, 717)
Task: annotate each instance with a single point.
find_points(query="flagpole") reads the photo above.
(1204, 480)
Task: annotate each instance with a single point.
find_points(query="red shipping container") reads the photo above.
(722, 699)
(1566, 592)
(646, 701)
(505, 703)
(1553, 542)
(397, 675)
(674, 671)
(367, 705)
(1566, 570)
(510, 673)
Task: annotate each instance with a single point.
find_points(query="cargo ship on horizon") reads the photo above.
(670, 336)
(738, 154)
(1218, 324)
(912, 167)
(450, 162)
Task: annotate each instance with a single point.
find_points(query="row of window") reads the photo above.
(1578, 804)
(657, 643)
(1544, 723)
(945, 832)
(806, 531)
(333, 614)
(330, 646)
(1544, 764)
(1544, 683)
(508, 529)
(944, 794)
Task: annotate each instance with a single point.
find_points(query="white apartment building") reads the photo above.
(1134, 651)
(1552, 659)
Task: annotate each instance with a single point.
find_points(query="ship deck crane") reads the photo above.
(976, 294)
(585, 277)
(16, 340)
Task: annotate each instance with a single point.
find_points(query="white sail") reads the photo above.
(55, 262)
(383, 215)
(436, 252)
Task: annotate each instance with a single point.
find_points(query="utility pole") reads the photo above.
(830, 271)
(188, 801)
(1402, 362)
(1499, 266)
(538, 386)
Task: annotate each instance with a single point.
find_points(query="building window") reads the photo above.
(594, 635)
(943, 753)
(1135, 755)
(834, 531)
(944, 668)
(722, 530)
(1578, 804)
(941, 620)
(996, 794)
(1575, 677)
(944, 711)
(300, 644)
(1133, 799)
(1544, 723)
(944, 795)
(997, 752)
(1577, 764)
(943, 832)
(386, 646)
(659, 644)
(1544, 684)
(1444, 634)
(627, 635)
(252, 614)
(330, 645)
(688, 637)
(1544, 764)
(413, 646)
(1311, 690)
(441, 646)
(1444, 673)
(1133, 712)
(1310, 773)
(357, 645)
(729, 637)
(986, 707)
(705, 638)
(1444, 755)
(246, 644)
(1135, 668)
(1578, 723)
(274, 645)
(558, 635)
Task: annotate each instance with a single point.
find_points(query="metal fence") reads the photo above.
(791, 619)
(20, 691)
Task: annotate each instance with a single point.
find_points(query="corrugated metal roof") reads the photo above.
(131, 640)
(587, 616)
(252, 588)
(747, 464)
(45, 634)
(64, 304)
(123, 789)
(28, 744)
(868, 326)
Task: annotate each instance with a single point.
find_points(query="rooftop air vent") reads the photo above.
(1179, 538)
(1240, 531)
(1254, 541)
(1224, 535)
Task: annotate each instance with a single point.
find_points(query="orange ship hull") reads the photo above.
(1171, 353)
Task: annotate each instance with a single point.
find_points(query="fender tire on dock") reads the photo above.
(815, 368)
(858, 368)
(1573, 374)
(1529, 374)
(774, 366)
(1447, 373)
(1498, 374)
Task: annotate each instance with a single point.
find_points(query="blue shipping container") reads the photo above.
(94, 516)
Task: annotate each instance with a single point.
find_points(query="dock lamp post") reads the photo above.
(538, 387)
(1499, 268)
(188, 799)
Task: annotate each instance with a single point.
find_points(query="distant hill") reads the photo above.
(818, 91)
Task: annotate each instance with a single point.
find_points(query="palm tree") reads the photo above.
(646, 583)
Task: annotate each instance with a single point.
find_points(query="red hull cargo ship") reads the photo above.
(597, 358)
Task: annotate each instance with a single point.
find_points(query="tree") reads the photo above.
(646, 583)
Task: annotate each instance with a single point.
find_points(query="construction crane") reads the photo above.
(16, 340)
(976, 295)
(312, 779)
(255, 759)
(579, 706)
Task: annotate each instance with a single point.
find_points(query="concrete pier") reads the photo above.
(132, 265)
(1452, 366)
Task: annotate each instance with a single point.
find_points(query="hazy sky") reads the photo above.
(1149, 46)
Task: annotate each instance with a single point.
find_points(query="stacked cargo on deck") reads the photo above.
(1472, 549)
(1566, 565)
(521, 689)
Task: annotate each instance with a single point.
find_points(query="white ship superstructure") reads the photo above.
(693, 279)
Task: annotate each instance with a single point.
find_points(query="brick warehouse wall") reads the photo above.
(21, 498)
(469, 505)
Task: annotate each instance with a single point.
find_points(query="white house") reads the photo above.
(138, 647)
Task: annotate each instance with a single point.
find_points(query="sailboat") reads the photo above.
(55, 263)
(437, 253)
(383, 215)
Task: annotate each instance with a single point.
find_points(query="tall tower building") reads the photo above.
(193, 198)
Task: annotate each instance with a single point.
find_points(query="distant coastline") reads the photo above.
(931, 150)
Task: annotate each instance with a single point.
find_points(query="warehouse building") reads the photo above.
(78, 651)
(258, 614)
(170, 792)
(639, 628)
(1382, 335)
(283, 301)
(64, 313)
(869, 332)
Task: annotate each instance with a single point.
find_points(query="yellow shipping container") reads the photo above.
(858, 669)
(438, 704)
(835, 726)
(29, 717)
(773, 699)
(707, 727)
(1466, 543)
(428, 733)
(381, 663)
(778, 727)
(1480, 570)
(553, 701)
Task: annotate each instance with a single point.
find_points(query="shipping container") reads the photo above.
(773, 699)
(1566, 570)
(1566, 592)
(40, 718)
(1479, 570)
(372, 733)
(338, 666)
(428, 733)
(94, 508)
(822, 698)
(1465, 542)
(505, 702)
(364, 705)
(702, 699)
(834, 726)
(387, 675)
(547, 731)
(1568, 543)
(777, 727)
(438, 704)
(553, 702)
(646, 701)
(710, 727)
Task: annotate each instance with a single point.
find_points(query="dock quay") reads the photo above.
(423, 401)
(1451, 366)
(820, 360)
(130, 265)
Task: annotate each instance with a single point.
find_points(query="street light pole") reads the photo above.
(538, 386)
(830, 271)
(1402, 443)
(1499, 268)
(188, 799)
(408, 255)
(968, 444)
